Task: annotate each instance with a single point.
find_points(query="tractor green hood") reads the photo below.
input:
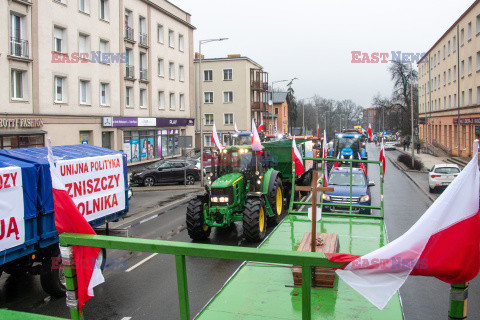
(227, 180)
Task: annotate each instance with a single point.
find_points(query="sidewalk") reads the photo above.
(428, 160)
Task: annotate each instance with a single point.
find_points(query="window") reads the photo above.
(142, 24)
(171, 71)
(172, 101)
(227, 74)
(454, 43)
(59, 37)
(470, 97)
(171, 39)
(449, 76)
(84, 6)
(84, 92)
(104, 94)
(161, 100)
(478, 24)
(18, 36)
(61, 1)
(478, 60)
(228, 118)
(444, 52)
(445, 102)
(470, 66)
(463, 99)
(161, 68)
(449, 47)
(444, 78)
(478, 95)
(18, 84)
(227, 96)
(209, 119)
(182, 101)
(104, 48)
(129, 97)
(469, 31)
(276, 111)
(449, 101)
(104, 10)
(160, 34)
(455, 100)
(60, 89)
(180, 42)
(462, 37)
(438, 57)
(83, 45)
(181, 73)
(207, 75)
(454, 73)
(462, 69)
(207, 141)
(208, 97)
(143, 98)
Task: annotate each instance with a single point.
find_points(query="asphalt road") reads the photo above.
(148, 290)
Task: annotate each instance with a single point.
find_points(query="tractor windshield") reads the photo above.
(234, 161)
(349, 142)
(242, 139)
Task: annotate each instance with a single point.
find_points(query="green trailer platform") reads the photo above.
(266, 290)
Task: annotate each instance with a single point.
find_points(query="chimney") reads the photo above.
(237, 55)
(197, 55)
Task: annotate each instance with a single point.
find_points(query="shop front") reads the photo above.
(21, 133)
(150, 138)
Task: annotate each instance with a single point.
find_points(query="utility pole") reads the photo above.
(411, 105)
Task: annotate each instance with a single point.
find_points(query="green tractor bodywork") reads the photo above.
(244, 186)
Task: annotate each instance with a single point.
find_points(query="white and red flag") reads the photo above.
(324, 155)
(215, 138)
(337, 163)
(369, 132)
(256, 144)
(382, 159)
(361, 165)
(235, 126)
(260, 127)
(444, 243)
(69, 219)
(297, 159)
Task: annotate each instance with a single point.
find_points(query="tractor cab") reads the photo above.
(349, 145)
(242, 139)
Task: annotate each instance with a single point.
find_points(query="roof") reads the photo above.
(279, 97)
(230, 59)
(449, 29)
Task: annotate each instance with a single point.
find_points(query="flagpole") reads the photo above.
(458, 301)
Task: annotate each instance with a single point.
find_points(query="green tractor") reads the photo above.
(244, 186)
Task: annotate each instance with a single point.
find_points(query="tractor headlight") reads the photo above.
(326, 197)
(365, 198)
(214, 199)
(259, 181)
(257, 173)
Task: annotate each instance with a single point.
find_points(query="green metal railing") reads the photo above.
(181, 249)
(351, 205)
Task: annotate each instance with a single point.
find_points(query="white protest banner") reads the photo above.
(12, 223)
(95, 184)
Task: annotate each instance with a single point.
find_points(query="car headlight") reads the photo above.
(365, 198)
(326, 197)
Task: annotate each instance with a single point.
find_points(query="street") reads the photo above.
(143, 286)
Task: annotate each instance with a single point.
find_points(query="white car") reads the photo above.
(441, 175)
(390, 145)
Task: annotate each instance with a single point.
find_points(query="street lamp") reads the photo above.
(200, 100)
(273, 82)
(303, 114)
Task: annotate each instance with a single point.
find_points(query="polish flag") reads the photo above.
(256, 144)
(337, 163)
(324, 155)
(361, 165)
(369, 131)
(260, 127)
(236, 130)
(444, 243)
(382, 159)
(215, 138)
(297, 159)
(69, 219)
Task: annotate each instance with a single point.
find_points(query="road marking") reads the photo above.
(141, 262)
(126, 318)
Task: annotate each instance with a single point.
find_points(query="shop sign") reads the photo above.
(147, 122)
(12, 123)
(467, 121)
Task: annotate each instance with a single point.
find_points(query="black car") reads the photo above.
(166, 171)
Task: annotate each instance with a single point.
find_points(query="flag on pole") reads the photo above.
(215, 138)
(369, 131)
(235, 126)
(260, 127)
(275, 126)
(297, 159)
(361, 165)
(382, 159)
(69, 219)
(337, 163)
(324, 155)
(444, 243)
(256, 144)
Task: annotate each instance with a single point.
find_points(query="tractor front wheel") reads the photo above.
(276, 202)
(254, 220)
(197, 229)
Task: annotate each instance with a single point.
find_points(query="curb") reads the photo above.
(411, 179)
(166, 188)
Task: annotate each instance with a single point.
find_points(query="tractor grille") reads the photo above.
(344, 199)
(223, 192)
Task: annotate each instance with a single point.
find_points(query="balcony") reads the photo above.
(129, 34)
(143, 39)
(130, 72)
(19, 48)
(143, 75)
(259, 106)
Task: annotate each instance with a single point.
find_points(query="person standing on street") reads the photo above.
(418, 147)
(405, 144)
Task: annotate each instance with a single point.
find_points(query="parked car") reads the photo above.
(390, 145)
(340, 180)
(441, 175)
(166, 171)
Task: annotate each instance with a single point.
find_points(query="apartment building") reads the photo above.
(369, 118)
(449, 87)
(117, 74)
(278, 111)
(233, 90)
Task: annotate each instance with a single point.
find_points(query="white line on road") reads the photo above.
(141, 262)
(126, 318)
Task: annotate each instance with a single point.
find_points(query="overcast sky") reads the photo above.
(313, 39)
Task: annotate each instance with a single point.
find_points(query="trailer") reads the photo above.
(96, 179)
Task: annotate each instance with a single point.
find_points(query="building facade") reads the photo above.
(279, 112)
(116, 74)
(449, 87)
(369, 118)
(233, 90)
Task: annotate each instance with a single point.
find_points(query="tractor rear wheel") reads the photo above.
(197, 229)
(275, 198)
(254, 220)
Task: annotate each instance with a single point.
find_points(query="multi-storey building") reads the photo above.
(369, 116)
(449, 86)
(279, 112)
(117, 74)
(233, 90)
